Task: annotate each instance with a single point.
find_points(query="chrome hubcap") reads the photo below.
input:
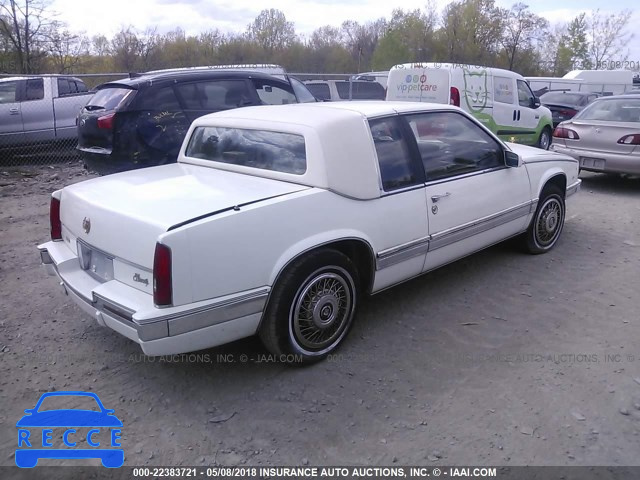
(322, 310)
(544, 141)
(549, 221)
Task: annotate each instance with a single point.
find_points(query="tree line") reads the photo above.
(33, 40)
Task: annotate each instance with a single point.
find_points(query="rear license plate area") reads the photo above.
(95, 262)
(595, 163)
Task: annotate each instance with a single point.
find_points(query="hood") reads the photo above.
(126, 212)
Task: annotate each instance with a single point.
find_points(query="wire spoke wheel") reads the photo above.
(549, 222)
(322, 309)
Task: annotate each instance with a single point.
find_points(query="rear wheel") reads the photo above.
(544, 142)
(547, 223)
(311, 307)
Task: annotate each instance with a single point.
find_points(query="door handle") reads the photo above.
(514, 115)
(435, 198)
(14, 111)
(518, 115)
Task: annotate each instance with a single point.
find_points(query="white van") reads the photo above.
(500, 99)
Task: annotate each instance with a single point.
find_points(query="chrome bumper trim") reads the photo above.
(168, 325)
(573, 188)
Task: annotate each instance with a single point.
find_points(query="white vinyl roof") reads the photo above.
(339, 148)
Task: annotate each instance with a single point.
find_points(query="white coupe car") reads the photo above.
(277, 221)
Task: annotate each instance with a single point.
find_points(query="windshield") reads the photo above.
(562, 98)
(612, 110)
(281, 152)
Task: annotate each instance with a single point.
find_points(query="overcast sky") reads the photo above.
(195, 16)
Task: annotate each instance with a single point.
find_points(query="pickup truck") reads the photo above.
(41, 109)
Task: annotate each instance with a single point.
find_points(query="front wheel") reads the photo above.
(311, 307)
(547, 223)
(544, 142)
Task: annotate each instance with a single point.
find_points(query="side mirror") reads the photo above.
(511, 159)
(535, 102)
(29, 410)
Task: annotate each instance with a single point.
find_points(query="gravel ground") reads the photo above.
(498, 359)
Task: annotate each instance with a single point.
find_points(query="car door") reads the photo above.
(11, 130)
(403, 231)
(528, 117)
(37, 114)
(505, 107)
(473, 199)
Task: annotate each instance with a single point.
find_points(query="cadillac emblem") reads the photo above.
(86, 225)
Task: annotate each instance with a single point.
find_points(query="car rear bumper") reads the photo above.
(605, 162)
(159, 331)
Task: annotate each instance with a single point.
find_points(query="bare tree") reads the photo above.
(271, 30)
(66, 49)
(609, 37)
(522, 29)
(26, 25)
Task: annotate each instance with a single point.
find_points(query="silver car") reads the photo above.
(605, 136)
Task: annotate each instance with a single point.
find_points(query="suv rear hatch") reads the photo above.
(97, 119)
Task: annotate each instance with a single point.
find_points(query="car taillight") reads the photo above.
(633, 139)
(454, 97)
(568, 113)
(54, 219)
(106, 121)
(162, 292)
(562, 132)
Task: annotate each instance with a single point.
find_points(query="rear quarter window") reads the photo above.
(320, 90)
(276, 151)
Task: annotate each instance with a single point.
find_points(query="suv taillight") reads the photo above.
(633, 139)
(455, 97)
(54, 219)
(562, 132)
(162, 292)
(106, 121)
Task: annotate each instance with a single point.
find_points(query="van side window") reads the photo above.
(525, 95)
(320, 90)
(450, 144)
(503, 89)
(397, 168)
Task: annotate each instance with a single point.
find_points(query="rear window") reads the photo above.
(109, 98)
(360, 90)
(614, 110)
(319, 90)
(280, 152)
(562, 98)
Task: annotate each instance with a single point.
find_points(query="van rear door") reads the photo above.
(419, 85)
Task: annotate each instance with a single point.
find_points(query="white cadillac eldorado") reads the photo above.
(278, 220)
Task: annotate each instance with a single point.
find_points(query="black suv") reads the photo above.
(141, 121)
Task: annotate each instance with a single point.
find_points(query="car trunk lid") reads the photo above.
(123, 214)
(601, 136)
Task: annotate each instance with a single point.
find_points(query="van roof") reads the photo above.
(453, 66)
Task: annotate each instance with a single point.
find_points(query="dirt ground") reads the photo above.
(499, 359)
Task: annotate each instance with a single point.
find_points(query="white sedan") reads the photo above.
(277, 221)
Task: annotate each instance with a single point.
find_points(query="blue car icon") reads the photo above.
(31, 449)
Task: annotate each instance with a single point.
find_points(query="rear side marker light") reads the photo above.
(54, 219)
(162, 290)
